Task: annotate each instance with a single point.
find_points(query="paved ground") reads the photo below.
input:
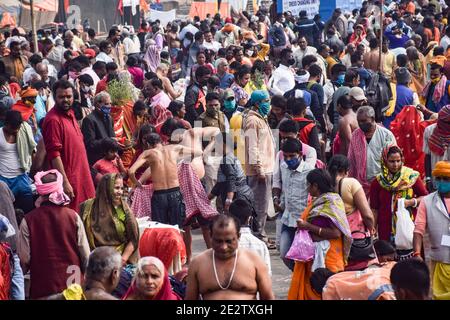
(281, 275)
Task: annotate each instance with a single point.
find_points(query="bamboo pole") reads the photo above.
(381, 36)
(33, 28)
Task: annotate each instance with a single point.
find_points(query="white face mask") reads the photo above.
(250, 53)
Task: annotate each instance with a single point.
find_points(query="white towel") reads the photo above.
(322, 248)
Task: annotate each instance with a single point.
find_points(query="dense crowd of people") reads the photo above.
(112, 150)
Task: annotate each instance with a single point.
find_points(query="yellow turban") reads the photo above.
(28, 93)
(442, 169)
(74, 292)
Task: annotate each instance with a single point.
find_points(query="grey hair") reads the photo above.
(102, 261)
(366, 110)
(221, 61)
(146, 261)
(100, 97)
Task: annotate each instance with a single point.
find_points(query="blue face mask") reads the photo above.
(340, 80)
(443, 186)
(106, 110)
(293, 163)
(229, 105)
(264, 108)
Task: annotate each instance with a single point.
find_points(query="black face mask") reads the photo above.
(365, 127)
(291, 61)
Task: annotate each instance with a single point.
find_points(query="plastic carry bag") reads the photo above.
(404, 227)
(302, 248)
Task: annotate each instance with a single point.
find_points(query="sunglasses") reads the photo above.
(230, 99)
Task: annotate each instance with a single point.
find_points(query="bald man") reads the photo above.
(102, 274)
(239, 274)
(42, 70)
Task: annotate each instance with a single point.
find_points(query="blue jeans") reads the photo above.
(286, 238)
(21, 188)
(17, 281)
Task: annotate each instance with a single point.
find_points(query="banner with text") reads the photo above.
(295, 6)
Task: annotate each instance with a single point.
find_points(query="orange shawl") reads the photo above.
(300, 288)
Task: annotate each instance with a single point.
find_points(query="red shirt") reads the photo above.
(101, 85)
(104, 166)
(63, 138)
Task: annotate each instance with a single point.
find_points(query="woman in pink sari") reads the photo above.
(151, 282)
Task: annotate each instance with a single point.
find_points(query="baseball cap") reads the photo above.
(357, 93)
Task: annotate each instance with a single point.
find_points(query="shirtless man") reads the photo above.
(226, 273)
(102, 274)
(167, 201)
(193, 139)
(347, 122)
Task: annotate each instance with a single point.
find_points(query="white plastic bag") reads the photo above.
(404, 227)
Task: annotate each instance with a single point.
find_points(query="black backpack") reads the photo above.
(378, 94)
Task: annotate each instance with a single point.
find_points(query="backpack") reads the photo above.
(378, 94)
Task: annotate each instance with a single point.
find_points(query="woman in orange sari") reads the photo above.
(326, 222)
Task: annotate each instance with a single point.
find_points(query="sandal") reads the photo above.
(271, 246)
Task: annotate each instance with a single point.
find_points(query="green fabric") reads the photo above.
(331, 206)
(25, 146)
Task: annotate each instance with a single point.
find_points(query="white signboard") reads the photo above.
(295, 6)
(348, 5)
(164, 16)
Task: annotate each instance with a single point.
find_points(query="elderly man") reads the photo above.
(349, 51)
(56, 54)
(37, 246)
(102, 274)
(68, 41)
(42, 71)
(259, 156)
(432, 218)
(244, 281)
(15, 62)
(366, 145)
(226, 78)
(303, 50)
(97, 126)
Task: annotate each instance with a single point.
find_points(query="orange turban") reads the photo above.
(228, 27)
(442, 169)
(28, 93)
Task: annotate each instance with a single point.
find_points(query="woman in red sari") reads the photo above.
(151, 282)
